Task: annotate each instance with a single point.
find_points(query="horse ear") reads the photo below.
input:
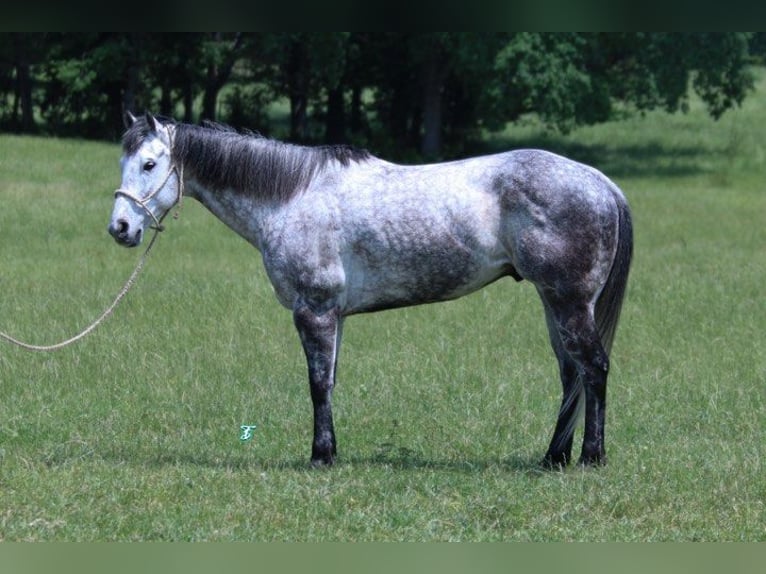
(151, 121)
(129, 119)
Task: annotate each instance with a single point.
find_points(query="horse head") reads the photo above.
(148, 189)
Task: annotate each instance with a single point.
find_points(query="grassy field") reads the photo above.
(442, 411)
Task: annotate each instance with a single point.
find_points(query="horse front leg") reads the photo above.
(320, 335)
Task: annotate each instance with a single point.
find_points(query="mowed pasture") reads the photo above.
(442, 411)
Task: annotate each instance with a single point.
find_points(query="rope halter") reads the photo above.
(143, 202)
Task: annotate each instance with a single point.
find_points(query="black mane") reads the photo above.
(220, 157)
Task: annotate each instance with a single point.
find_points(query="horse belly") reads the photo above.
(405, 270)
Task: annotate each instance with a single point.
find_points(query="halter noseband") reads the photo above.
(142, 202)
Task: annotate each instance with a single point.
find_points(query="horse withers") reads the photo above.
(343, 232)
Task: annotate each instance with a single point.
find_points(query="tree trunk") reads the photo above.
(166, 101)
(298, 87)
(217, 76)
(209, 101)
(117, 98)
(399, 113)
(23, 88)
(335, 126)
(130, 99)
(357, 123)
(434, 76)
(188, 97)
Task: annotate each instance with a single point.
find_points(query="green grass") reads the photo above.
(441, 411)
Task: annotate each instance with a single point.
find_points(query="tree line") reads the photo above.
(399, 93)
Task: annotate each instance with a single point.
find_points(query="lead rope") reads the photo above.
(124, 291)
(133, 276)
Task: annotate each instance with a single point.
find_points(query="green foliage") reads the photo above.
(442, 411)
(544, 73)
(722, 78)
(411, 93)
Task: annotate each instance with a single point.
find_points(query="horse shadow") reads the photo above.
(407, 460)
(386, 456)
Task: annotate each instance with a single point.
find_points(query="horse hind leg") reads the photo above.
(559, 452)
(584, 368)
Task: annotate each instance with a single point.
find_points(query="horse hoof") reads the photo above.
(554, 461)
(592, 461)
(549, 465)
(322, 462)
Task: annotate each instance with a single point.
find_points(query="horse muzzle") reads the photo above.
(123, 234)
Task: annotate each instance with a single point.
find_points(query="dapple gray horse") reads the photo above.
(343, 232)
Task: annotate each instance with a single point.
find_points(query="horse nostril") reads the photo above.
(119, 229)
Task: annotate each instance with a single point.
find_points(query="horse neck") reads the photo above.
(245, 180)
(248, 165)
(243, 213)
(240, 179)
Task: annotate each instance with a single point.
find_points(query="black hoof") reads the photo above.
(322, 462)
(322, 457)
(557, 461)
(592, 461)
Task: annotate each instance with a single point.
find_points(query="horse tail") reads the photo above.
(609, 303)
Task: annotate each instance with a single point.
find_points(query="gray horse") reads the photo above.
(343, 232)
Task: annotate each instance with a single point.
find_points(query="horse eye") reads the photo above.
(149, 166)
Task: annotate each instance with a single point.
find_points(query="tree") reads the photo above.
(432, 89)
(220, 53)
(23, 52)
(401, 93)
(19, 52)
(575, 79)
(442, 87)
(309, 69)
(173, 65)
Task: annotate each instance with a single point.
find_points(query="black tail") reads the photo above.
(609, 303)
